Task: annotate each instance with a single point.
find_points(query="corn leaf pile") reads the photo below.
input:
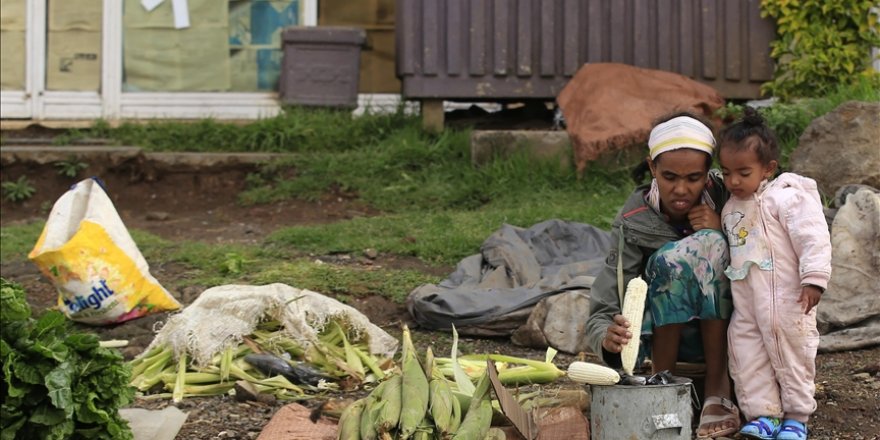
(57, 383)
(269, 360)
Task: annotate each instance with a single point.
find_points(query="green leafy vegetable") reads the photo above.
(57, 383)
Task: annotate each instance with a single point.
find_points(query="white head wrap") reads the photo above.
(680, 132)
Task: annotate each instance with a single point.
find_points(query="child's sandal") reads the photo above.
(792, 430)
(762, 428)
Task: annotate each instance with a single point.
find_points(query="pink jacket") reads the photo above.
(788, 233)
(778, 241)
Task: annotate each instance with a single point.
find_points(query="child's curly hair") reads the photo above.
(750, 132)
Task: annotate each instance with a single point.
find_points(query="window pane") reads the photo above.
(73, 45)
(229, 46)
(13, 19)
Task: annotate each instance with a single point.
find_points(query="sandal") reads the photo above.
(792, 430)
(762, 428)
(731, 413)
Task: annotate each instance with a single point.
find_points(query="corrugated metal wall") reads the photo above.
(479, 49)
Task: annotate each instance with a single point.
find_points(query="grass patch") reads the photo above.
(17, 241)
(448, 236)
(343, 281)
(415, 172)
(213, 265)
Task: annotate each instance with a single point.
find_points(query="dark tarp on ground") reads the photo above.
(493, 292)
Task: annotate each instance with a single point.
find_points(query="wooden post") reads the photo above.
(432, 115)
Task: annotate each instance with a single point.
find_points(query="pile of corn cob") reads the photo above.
(421, 403)
(345, 363)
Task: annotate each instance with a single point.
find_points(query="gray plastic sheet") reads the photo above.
(492, 293)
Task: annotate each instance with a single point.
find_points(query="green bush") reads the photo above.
(821, 44)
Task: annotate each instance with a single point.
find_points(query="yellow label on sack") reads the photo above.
(97, 282)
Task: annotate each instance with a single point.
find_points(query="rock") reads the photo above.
(844, 191)
(842, 147)
(862, 376)
(609, 106)
(851, 298)
(559, 333)
(488, 145)
(158, 216)
(371, 253)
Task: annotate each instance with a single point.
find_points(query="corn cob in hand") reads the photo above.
(633, 310)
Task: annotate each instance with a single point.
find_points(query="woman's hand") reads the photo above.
(704, 217)
(617, 336)
(810, 296)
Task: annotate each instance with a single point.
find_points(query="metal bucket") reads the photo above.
(642, 412)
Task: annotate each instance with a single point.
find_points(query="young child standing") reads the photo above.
(780, 263)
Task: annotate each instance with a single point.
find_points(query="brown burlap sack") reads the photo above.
(610, 106)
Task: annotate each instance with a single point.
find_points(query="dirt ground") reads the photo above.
(202, 206)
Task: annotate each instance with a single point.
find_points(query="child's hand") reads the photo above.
(810, 296)
(704, 217)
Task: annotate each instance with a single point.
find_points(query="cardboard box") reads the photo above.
(13, 15)
(86, 15)
(12, 60)
(73, 60)
(565, 422)
(176, 60)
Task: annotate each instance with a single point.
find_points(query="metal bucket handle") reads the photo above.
(695, 398)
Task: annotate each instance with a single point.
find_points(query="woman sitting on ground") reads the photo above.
(669, 233)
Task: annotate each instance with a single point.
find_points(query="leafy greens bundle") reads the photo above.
(57, 383)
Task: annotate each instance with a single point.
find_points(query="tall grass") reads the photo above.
(294, 130)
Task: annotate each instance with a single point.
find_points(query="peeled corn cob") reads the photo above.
(633, 310)
(593, 374)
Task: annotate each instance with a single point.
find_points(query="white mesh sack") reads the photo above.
(221, 316)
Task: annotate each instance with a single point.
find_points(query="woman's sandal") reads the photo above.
(762, 428)
(792, 430)
(731, 413)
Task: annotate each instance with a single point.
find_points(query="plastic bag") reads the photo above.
(88, 254)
